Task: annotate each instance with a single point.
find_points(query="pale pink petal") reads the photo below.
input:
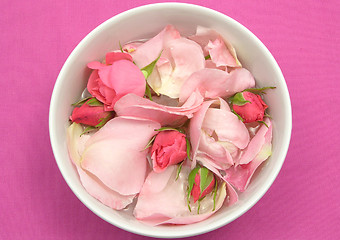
(135, 106)
(227, 127)
(168, 204)
(212, 151)
(147, 52)
(195, 129)
(205, 35)
(240, 175)
(184, 58)
(73, 135)
(76, 144)
(255, 144)
(115, 153)
(219, 53)
(101, 192)
(240, 79)
(214, 83)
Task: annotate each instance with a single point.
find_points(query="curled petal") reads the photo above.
(240, 175)
(213, 44)
(134, 106)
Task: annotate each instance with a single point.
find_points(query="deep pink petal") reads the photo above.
(115, 56)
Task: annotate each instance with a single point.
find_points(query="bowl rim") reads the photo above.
(168, 234)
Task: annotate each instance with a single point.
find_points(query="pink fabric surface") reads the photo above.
(37, 37)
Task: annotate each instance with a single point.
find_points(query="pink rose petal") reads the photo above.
(135, 106)
(240, 175)
(163, 200)
(147, 52)
(222, 53)
(76, 144)
(115, 153)
(214, 83)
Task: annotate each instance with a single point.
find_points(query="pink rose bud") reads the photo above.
(90, 115)
(169, 148)
(251, 109)
(203, 184)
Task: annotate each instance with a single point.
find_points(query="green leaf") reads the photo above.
(206, 178)
(147, 70)
(238, 99)
(88, 129)
(179, 168)
(150, 143)
(263, 123)
(207, 57)
(81, 102)
(233, 111)
(215, 194)
(94, 103)
(188, 147)
(258, 90)
(120, 47)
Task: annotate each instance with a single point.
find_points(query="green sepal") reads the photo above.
(191, 179)
(88, 129)
(168, 129)
(148, 91)
(81, 102)
(258, 90)
(263, 123)
(207, 57)
(147, 70)
(150, 143)
(188, 148)
(120, 47)
(238, 99)
(206, 177)
(104, 120)
(199, 205)
(94, 102)
(239, 117)
(215, 194)
(179, 168)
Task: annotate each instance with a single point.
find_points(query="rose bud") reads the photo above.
(169, 148)
(249, 106)
(201, 182)
(90, 115)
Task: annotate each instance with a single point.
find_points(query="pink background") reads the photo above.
(37, 37)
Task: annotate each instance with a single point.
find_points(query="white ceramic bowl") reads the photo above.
(144, 22)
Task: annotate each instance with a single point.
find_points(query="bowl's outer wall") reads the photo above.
(145, 22)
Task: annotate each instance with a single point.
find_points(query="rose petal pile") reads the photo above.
(174, 122)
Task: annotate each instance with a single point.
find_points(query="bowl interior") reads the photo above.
(145, 22)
